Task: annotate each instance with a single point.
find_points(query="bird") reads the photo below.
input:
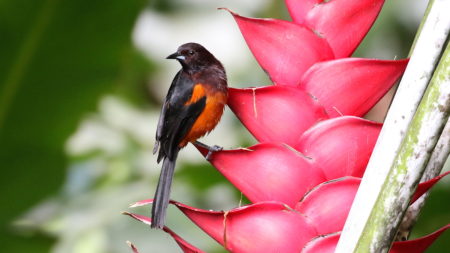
(193, 106)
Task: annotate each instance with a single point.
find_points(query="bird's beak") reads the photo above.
(176, 56)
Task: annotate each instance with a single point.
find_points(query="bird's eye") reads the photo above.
(191, 52)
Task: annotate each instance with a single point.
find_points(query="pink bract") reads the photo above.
(275, 227)
(261, 227)
(276, 113)
(285, 50)
(268, 171)
(275, 171)
(351, 86)
(340, 146)
(343, 23)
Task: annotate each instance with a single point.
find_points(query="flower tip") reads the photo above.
(201, 149)
(131, 245)
(141, 203)
(138, 217)
(229, 11)
(132, 205)
(426, 186)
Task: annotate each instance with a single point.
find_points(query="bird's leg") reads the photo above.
(210, 149)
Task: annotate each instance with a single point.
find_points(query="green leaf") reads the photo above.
(57, 58)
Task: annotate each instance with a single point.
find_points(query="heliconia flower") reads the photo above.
(313, 148)
(285, 50)
(261, 227)
(343, 23)
(273, 226)
(276, 171)
(329, 89)
(327, 243)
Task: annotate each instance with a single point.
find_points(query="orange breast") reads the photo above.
(208, 119)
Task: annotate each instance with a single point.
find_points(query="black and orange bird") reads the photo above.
(194, 105)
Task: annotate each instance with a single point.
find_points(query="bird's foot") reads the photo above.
(211, 149)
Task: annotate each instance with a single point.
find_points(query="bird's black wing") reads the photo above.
(160, 126)
(177, 118)
(181, 124)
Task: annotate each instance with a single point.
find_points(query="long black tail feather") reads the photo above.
(162, 194)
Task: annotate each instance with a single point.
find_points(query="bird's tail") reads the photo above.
(162, 194)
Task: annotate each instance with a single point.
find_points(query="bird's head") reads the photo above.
(193, 57)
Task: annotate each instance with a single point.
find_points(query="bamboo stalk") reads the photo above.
(434, 167)
(409, 163)
(370, 228)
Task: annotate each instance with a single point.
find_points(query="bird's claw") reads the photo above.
(211, 150)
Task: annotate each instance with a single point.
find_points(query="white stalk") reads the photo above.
(428, 48)
(434, 167)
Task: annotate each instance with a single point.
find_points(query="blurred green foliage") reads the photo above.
(57, 57)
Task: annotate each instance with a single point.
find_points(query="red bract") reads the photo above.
(343, 23)
(274, 226)
(425, 186)
(418, 245)
(327, 206)
(322, 244)
(351, 86)
(268, 171)
(325, 201)
(280, 113)
(261, 227)
(340, 146)
(285, 50)
(275, 171)
(327, 243)
(341, 87)
(296, 111)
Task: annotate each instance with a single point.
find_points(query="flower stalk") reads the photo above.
(434, 167)
(397, 163)
(410, 162)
